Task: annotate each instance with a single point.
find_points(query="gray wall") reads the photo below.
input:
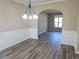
(51, 22)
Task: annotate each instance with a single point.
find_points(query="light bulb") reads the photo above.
(30, 17)
(24, 16)
(35, 16)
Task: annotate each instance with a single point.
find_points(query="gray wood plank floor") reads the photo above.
(44, 48)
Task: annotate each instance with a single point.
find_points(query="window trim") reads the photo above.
(58, 16)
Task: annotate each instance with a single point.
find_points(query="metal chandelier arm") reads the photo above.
(30, 13)
(29, 3)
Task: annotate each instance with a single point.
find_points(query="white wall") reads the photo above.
(42, 23)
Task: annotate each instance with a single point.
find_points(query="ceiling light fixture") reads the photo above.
(30, 13)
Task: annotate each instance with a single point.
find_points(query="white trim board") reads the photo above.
(76, 48)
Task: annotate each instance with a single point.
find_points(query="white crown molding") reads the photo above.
(37, 4)
(47, 2)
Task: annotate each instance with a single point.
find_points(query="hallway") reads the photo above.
(51, 36)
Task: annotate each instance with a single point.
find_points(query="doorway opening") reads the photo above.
(50, 25)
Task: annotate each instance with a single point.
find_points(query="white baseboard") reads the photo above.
(11, 38)
(42, 32)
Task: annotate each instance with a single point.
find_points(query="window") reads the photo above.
(58, 21)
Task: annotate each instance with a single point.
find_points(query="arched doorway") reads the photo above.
(50, 25)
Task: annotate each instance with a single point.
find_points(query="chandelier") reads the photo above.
(29, 13)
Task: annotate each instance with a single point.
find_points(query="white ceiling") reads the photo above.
(37, 2)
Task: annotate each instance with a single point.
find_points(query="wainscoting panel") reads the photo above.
(33, 33)
(11, 38)
(70, 38)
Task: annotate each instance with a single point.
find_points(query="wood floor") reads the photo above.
(47, 47)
